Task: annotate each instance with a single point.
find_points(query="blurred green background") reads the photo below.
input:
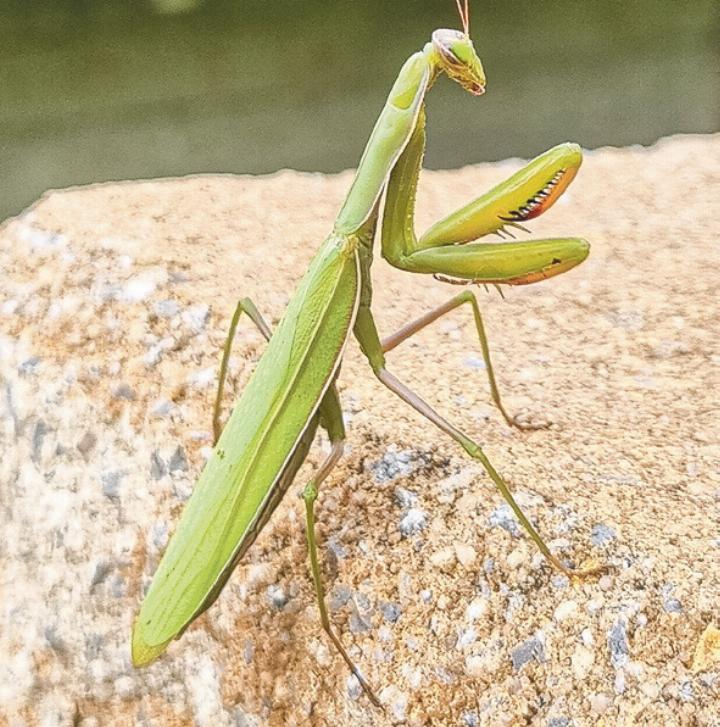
(93, 91)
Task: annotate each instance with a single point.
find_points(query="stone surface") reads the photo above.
(114, 305)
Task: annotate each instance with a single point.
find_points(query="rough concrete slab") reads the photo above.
(114, 302)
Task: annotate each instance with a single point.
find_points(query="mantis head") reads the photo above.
(459, 60)
(457, 54)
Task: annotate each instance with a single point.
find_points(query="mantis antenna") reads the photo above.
(464, 13)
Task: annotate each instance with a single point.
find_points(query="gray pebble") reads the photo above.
(56, 643)
(474, 362)
(178, 461)
(155, 353)
(397, 464)
(159, 536)
(166, 308)
(405, 498)
(337, 549)
(601, 534)
(101, 572)
(196, 317)
(111, 484)
(618, 644)
(359, 624)
(470, 719)
(162, 408)
(413, 522)
(672, 605)
(87, 443)
(277, 596)
(124, 392)
(339, 596)
(354, 690)
(158, 469)
(38, 437)
(466, 637)
(28, 367)
(559, 722)
(503, 516)
(362, 601)
(118, 587)
(527, 651)
(686, 692)
(241, 719)
(360, 618)
(390, 611)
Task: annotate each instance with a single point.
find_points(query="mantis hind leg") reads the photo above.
(310, 494)
(329, 416)
(469, 297)
(367, 335)
(476, 452)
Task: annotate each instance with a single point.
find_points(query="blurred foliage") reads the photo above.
(97, 90)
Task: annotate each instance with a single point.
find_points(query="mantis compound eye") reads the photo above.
(443, 41)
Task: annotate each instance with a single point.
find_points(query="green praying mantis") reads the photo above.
(293, 390)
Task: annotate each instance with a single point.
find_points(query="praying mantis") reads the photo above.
(293, 390)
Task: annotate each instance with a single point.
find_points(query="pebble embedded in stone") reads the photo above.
(503, 516)
(405, 498)
(532, 649)
(618, 644)
(601, 534)
(397, 464)
(414, 521)
(277, 596)
(391, 611)
(166, 308)
(124, 392)
(196, 317)
(178, 461)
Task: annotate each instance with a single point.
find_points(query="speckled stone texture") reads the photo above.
(114, 303)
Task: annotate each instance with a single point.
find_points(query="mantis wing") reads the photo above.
(257, 447)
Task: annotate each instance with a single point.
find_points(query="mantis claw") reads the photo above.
(578, 574)
(523, 423)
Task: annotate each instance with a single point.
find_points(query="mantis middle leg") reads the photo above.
(245, 305)
(467, 296)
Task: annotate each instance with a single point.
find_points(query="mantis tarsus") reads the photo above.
(293, 391)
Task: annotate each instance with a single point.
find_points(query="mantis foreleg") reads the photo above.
(448, 249)
(467, 296)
